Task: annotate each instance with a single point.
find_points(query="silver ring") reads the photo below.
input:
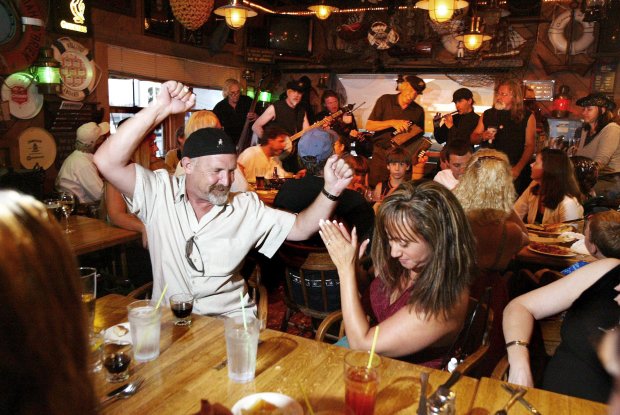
(327, 243)
(186, 89)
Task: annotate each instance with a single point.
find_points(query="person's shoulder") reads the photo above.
(220, 105)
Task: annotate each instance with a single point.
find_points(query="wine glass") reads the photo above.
(67, 203)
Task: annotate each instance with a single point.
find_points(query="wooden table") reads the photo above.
(91, 235)
(267, 196)
(191, 367)
(491, 397)
(527, 257)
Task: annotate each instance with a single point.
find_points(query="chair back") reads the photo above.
(311, 284)
(473, 340)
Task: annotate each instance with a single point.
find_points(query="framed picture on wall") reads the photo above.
(158, 18)
(126, 7)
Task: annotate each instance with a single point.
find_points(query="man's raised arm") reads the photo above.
(112, 158)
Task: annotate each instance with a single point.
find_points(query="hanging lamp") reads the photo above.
(441, 11)
(473, 39)
(323, 10)
(46, 72)
(235, 14)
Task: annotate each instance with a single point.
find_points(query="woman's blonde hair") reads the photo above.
(429, 211)
(44, 348)
(201, 119)
(487, 183)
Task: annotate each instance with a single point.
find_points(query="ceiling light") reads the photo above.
(473, 39)
(235, 14)
(322, 10)
(441, 10)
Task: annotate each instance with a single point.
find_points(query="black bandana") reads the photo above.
(207, 142)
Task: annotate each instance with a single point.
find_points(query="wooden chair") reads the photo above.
(326, 325)
(472, 343)
(501, 370)
(142, 292)
(311, 282)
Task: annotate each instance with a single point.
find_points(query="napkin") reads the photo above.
(580, 247)
(118, 333)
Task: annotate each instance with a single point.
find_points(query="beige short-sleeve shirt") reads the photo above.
(223, 237)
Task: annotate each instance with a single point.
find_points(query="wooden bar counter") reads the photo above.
(192, 367)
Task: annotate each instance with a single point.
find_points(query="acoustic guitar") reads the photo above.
(244, 138)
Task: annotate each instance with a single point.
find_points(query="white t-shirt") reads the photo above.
(80, 176)
(223, 237)
(253, 159)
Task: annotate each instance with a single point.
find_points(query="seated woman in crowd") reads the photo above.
(487, 194)
(589, 296)
(423, 256)
(553, 196)
(600, 140)
(44, 347)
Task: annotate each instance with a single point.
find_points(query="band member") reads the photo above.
(393, 114)
(457, 126)
(234, 109)
(510, 128)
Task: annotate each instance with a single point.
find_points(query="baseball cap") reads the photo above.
(416, 83)
(207, 142)
(316, 143)
(299, 86)
(89, 133)
(462, 93)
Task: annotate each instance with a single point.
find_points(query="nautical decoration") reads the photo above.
(560, 41)
(381, 36)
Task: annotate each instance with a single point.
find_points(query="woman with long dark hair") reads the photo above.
(553, 196)
(423, 254)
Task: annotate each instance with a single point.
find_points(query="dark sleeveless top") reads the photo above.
(510, 136)
(385, 187)
(291, 119)
(575, 369)
(377, 305)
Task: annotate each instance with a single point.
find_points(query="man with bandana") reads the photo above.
(199, 232)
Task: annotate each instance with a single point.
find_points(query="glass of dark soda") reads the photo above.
(116, 360)
(182, 306)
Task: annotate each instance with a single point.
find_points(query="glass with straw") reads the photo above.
(361, 378)
(144, 325)
(241, 345)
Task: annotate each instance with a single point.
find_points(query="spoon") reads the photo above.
(511, 401)
(129, 390)
(423, 384)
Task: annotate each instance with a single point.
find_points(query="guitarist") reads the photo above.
(234, 109)
(396, 114)
(290, 116)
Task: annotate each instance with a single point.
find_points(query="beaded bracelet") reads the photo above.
(517, 343)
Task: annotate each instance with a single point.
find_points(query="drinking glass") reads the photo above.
(54, 209)
(95, 344)
(241, 347)
(88, 278)
(116, 360)
(181, 306)
(361, 382)
(67, 203)
(144, 326)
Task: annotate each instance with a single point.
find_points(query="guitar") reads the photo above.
(244, 138)
(321, 123)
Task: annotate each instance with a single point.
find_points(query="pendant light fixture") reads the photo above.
(441, 11)
(323, 10)
(235, 14)
(473, 39)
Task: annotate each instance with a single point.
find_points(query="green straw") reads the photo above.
(303, 392)
(245, 323)
(161, 297)
(372, 348)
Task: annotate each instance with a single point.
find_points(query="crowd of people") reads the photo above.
(431, 244)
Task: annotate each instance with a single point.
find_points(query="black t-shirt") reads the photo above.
(464, 125)
(233, 119)
(388, 108)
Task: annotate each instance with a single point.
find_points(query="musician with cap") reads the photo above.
(457, 126)
(78, 173)
(199, 233)
(395, 114)
(600, 141)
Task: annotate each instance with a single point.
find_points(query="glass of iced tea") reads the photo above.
(182, 306)
(88, 278)
(361, 382)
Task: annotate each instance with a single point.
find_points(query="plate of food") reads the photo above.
(267, 403)
(120, 332)
(552, 250)
(551, 230)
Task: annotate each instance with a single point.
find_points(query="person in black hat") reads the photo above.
(199, 232)
(457, 126)
(600, 141)
(393, 114)
(287, 112)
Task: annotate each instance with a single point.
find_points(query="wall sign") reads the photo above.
(604, 78)
(72, 16)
